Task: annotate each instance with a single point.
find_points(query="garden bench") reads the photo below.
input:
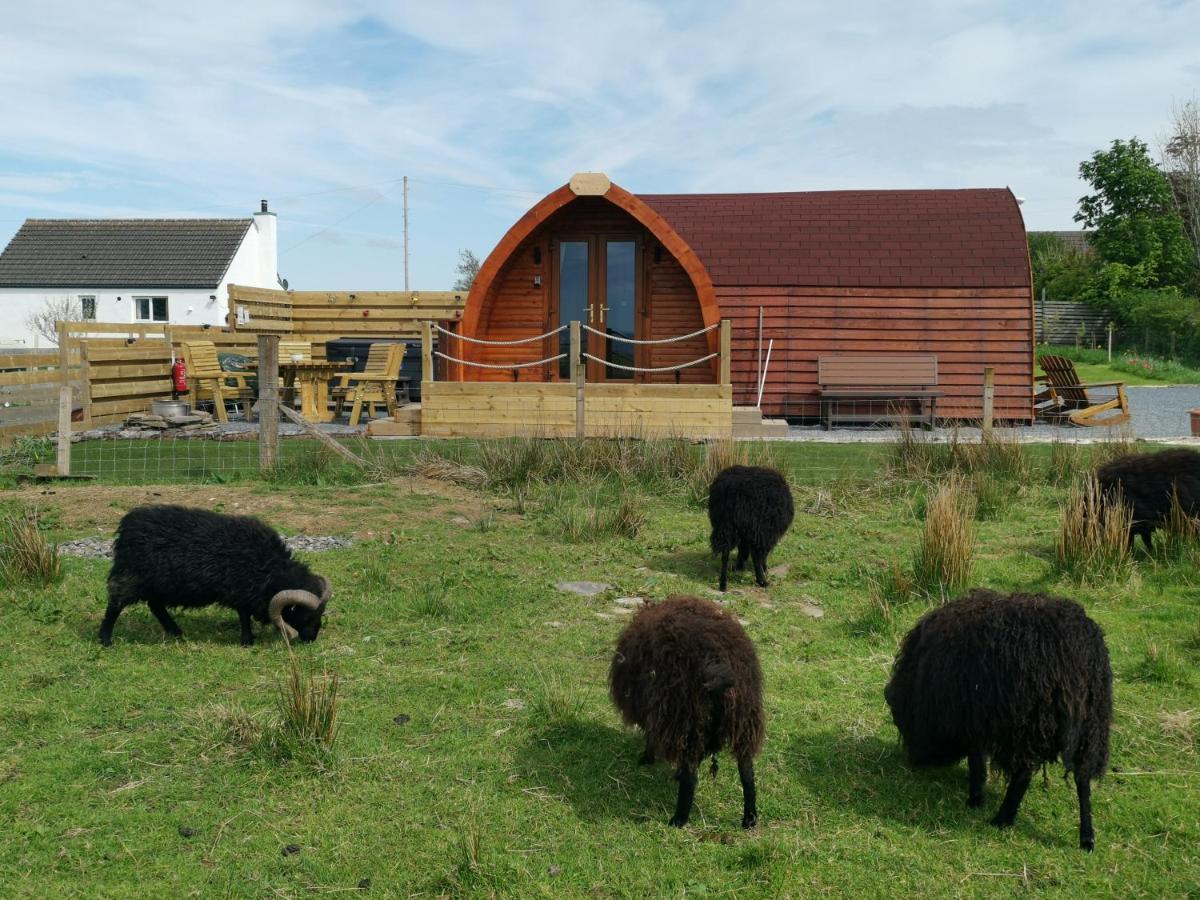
(906, 383)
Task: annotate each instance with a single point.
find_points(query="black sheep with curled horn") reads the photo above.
(176, 556)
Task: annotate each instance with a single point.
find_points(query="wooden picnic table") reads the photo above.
(313, 381)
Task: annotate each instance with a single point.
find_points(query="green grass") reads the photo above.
(1128, 366)
(476, 750)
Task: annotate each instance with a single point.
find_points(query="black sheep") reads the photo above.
(750, 508)
(686, 674)
(178, 556)
(1022, 679)
(1146, 482)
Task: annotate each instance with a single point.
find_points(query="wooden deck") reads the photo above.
(530, 409)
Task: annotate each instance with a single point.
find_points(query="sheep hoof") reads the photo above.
(1000, 822)
(975, 802)
(749, 821)
(677, 822)
(1088, 844)
(763, 583)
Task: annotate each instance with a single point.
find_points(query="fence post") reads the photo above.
(64, 430)
(268, 401)
(989, 394)
(725, 345)
(426, 351)
(578, 371)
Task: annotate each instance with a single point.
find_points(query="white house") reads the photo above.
(132, 270)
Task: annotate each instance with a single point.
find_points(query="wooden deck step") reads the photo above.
(405, 422)
(748, 424)
(746, 415)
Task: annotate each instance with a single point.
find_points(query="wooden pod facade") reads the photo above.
(874, 272)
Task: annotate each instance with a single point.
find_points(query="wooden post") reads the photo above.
(64, 354)
(989, 393)
(64, 430)
(578, 372)
(268, 401)
(725, 345)
(426, 351)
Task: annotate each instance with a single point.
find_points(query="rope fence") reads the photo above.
(529, 340)
(526, 365)
(694, 362)
(670, 340)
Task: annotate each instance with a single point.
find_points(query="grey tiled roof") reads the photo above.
(128, 253)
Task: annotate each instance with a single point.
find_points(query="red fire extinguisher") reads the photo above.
(178, 378)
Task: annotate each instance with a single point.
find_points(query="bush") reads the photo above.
(1093, 541)
(26, 557)
(943, 560)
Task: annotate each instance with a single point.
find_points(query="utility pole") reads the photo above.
(406, 233)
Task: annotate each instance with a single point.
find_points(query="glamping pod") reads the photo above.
(874, 276)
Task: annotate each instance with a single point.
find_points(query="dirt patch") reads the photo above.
(362, 511)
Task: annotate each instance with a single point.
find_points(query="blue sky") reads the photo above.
(121, 109)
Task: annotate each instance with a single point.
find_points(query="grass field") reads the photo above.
(478, 753)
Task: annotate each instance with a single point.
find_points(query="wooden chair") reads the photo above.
(375, 384)
(207, 376)
(1062, 396)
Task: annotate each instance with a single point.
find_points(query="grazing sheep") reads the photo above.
(1023, 679)
(686, 673)
(750, 508)
(177, 556)
(1146, 482)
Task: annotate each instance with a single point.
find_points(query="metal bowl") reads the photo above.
(166, 408)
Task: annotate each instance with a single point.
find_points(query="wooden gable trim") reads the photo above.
(659, 227)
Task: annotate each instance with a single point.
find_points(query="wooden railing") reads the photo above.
(320, 316)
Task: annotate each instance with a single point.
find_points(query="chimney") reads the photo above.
(268, 248)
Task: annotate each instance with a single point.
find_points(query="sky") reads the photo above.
(129, 109)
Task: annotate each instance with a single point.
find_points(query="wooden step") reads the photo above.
(405, 422)
(746, 415)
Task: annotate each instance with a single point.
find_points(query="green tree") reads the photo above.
(1137, 230)
(467, 269)
(1063, 272)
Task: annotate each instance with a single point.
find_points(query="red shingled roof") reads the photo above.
(925, 238)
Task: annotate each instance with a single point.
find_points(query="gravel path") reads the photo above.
(1157, 413)
(101, 548)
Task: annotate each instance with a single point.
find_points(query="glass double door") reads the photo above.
(596, 284)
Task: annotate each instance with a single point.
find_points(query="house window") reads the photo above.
(150, 309)
(87, 308)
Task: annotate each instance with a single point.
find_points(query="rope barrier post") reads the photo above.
(426, 351)
(725, 345)
(578, 371)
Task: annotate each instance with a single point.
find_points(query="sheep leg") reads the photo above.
(724, 570)
(760, 566)
(743, 555)
(976, 776)
(1087, 836)
(749, 795)
(1018, 784)
(647, 757)
(247, 633)
(687, 793)
(115, 606)
(164, 618)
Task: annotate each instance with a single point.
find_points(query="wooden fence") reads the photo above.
(320, 316)
(29, 384)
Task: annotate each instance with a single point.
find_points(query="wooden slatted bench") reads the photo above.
(907, 383)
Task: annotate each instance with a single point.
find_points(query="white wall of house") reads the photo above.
(254, 265)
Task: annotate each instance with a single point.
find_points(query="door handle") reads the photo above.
(603, 315)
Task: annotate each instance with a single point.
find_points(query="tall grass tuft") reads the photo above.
(587, 518)
(316, 466)
(26, 557)
(1119, 441)
(943, 559)
(309, 712)
(1093, 541)
(1065, 462)
(1179, 537)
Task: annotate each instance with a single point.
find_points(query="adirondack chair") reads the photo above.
(207, 377)
(1062, 396)
(375, 384)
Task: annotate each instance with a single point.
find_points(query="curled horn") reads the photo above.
(326, 587)
(289, 598)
